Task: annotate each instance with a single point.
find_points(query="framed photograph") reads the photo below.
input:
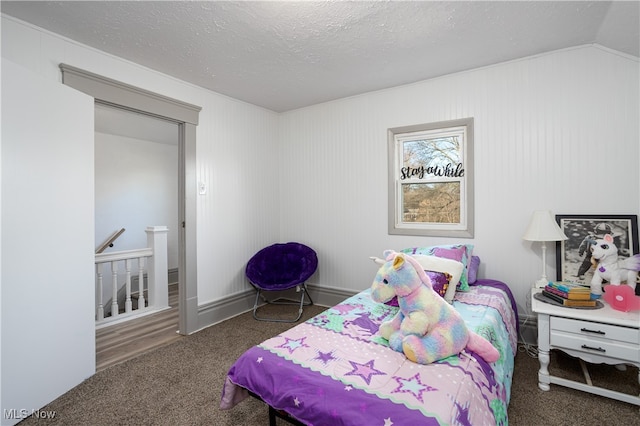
(573, 256)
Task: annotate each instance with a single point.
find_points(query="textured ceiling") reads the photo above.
(286, 55)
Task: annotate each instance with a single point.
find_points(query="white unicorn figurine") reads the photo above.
(609, 268)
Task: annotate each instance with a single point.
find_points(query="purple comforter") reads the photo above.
(335, 369)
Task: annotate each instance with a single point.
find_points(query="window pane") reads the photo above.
(432, 158)
(431, 202)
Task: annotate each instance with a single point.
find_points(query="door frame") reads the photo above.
(121, 95)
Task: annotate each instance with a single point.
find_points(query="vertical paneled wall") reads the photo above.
(557, 131)
(238, 161)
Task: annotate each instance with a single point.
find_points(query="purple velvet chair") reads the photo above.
(279, 267)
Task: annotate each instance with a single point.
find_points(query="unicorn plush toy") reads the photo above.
(609, 268)
(426, 327)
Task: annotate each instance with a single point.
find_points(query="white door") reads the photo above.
(47, 241)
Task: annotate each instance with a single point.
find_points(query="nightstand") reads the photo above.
(599, 336)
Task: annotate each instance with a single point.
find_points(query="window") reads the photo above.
(431, 179)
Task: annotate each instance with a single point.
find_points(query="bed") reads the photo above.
(335, 369)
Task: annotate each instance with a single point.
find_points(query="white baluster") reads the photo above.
(141, 301)
(114, 285)
(100, 305)
(127, 302)
(128, 257)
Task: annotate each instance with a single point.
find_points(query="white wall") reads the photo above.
(318, 175)
(47, 324)
(237, 153)
(559, 131)
(136, 187)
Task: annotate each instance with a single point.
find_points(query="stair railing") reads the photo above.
(109, 242)
(153, 260)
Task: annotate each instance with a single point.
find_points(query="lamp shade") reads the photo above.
(543, 228)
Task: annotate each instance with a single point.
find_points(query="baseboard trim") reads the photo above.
(236, 304)
(223, 309)
(329, 296)
(228, 307)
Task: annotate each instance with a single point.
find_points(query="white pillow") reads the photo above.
(440, 264)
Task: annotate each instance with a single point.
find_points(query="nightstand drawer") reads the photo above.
(600, 331)
(595, 346)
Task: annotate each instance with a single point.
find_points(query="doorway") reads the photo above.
(136, 184)
(110, 92)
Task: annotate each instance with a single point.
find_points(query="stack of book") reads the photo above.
(569, 294)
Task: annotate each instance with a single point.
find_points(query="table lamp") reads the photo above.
(543, 228)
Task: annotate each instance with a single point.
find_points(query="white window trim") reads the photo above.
(464, 229)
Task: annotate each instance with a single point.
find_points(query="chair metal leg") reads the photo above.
(303, 290)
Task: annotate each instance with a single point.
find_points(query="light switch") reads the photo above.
(202, 188)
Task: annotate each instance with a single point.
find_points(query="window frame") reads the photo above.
(399, 135)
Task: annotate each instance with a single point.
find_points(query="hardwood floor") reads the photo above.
(124, 341)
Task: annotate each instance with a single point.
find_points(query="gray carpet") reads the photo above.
(180, 384)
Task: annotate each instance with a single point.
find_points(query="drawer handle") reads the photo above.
(586, 330)
(594, 349)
